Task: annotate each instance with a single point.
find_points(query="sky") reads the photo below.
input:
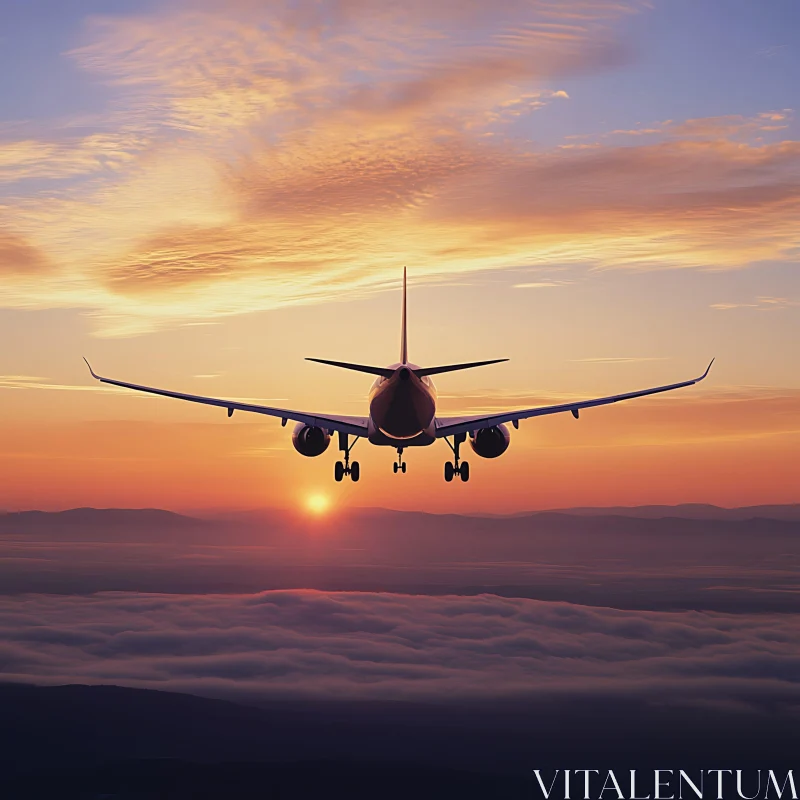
(199, 194)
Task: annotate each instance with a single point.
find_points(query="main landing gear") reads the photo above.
(452, 468)
(399, 465)
(341, 469)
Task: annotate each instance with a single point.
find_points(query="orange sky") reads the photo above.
(652, 455)
(221, 190)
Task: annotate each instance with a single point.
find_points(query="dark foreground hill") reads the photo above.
(105, 741)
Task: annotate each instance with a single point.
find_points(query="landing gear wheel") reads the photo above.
(403, 468)
(455, 467)
(394, 466)
(342, 469)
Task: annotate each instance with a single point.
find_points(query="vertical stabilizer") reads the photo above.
(403, 335)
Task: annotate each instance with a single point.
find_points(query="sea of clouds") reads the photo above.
(377, 646)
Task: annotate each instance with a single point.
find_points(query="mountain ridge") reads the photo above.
(689, 511)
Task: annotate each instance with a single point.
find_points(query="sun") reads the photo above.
(317, 504)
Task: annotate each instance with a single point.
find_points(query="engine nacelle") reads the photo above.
(309, 440)
(490, 442)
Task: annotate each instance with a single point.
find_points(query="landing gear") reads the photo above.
(399, 465)
(341, 469)
(455, 467)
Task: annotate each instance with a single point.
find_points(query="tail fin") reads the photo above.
(388, 372)
(403, 331)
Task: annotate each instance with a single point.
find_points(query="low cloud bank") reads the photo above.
(311, 644)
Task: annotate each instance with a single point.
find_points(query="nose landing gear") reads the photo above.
(399, 465)
(455, 467)
(341, 469)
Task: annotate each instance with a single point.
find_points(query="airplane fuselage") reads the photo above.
(402, 409)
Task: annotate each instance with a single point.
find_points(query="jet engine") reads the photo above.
(309, 440)
(490, 442)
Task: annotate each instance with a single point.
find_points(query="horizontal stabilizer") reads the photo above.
(386, 373)
(455, 367)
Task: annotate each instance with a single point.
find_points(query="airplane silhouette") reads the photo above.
(402, 413)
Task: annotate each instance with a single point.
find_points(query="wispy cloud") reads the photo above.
(619, 359)
(260, 157)
(731, 126)
(774, 51)
(67, 156)
(542, 284)
(761, 304)
(39, 384)
(31, 382)
(731, 306)
(18, 257)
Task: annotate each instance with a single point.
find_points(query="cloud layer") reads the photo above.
(391, 647)
(252, 159)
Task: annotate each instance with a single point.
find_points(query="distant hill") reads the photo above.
(657, 534)
(689, 511)
(93, 516)
(699, 511)
(102, 524)
(119, 518)
(621, 561)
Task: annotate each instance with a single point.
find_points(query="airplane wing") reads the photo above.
(331, 422)
(450, 426)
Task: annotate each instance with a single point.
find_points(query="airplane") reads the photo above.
(402, 413)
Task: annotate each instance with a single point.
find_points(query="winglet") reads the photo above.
(708, 369)
(97, 377)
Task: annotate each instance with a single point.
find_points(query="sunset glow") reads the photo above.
(318, 504)
(199, 194)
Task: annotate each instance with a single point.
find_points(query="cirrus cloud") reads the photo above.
(255, 158)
